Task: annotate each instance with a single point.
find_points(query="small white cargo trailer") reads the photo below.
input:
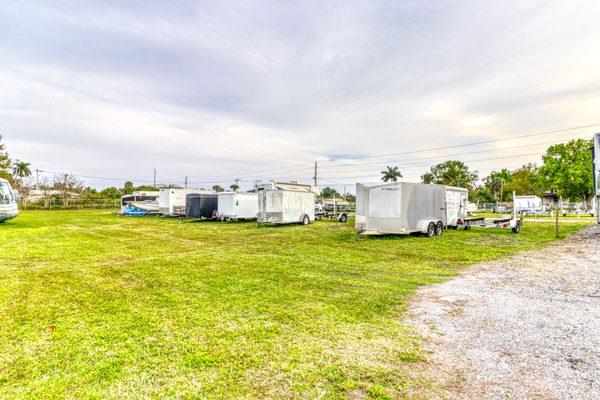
(233, 205)
(172, 202)
(8, 201)
(403, 208)
(285, 203)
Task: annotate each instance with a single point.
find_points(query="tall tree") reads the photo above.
(234, 187)
(567, 169)
(21, 169)
(453, 173)
(218, 188)
(21, 174)
(68, 187)
(391, 174)
(128, 187)
(525, 180)
(329, 193)
(5, 162)
(497, 182)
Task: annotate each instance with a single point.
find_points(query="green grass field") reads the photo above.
(98, 306)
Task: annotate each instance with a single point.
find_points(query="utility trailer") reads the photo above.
(233, 205)
(285, 203)
(340, 212)
(404, 208)
(513, 223)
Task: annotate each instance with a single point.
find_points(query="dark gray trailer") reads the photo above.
(201, 206)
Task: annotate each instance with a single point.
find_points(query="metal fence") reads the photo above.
(72, 204)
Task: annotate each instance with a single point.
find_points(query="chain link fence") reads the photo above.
(72, 204)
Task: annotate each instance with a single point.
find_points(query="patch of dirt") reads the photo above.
(527, 327)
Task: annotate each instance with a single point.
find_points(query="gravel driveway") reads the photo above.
(527, 327)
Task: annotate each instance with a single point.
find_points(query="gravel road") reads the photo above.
(527, 327)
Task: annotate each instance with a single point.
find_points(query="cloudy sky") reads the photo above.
(255, 90)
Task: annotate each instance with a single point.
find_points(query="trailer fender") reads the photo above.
(304, 219)
(424, 224)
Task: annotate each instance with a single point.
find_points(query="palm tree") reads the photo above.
(218, 188)
(234, 187)
(391, 174)
(21, 169)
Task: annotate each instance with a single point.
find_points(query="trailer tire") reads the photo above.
(517, 227)
(305, 220)
(467, 228)
(430, 230)
(439, 228)
(343, 218)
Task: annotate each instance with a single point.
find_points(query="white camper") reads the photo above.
(172, 202)
(8, 201)
(285, 203)
(528, 204)
(233, 205)
(402, 208)
(596, 163)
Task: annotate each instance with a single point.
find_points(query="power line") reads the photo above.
(475, 143)
(441, 156)
(307, 166)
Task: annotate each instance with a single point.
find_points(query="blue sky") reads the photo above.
(255, 90)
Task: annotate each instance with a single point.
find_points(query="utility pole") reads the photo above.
(315, 177)
(186, 182)
(37, 179)
(556, 231)
(236, 184)
(155, 177)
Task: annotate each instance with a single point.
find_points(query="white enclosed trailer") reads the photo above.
(285, 203)
(172, 202)
(596, 162)
(403, 207)
(233, 205)
(8, 201)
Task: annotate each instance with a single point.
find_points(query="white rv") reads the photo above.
(285, 203)
(233, 205)
(172, 202)
(8, 201)
(402, 208)
(148, 198)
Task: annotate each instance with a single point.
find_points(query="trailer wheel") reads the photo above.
(430, 230)
(439, 227)
(343, 218)
(467, 228)
(305, 220)
(517, 227)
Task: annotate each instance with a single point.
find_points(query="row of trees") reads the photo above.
(566, 169)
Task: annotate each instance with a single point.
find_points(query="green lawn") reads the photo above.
(98, 306)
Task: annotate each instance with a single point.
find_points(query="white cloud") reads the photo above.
(230, 88)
